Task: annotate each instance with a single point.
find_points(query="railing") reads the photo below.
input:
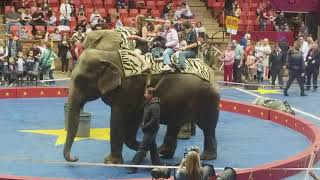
(224, 35)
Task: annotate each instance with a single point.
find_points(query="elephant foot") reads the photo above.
(185, 132)
(134, 145)
(167, 152)
(207, 155)
(111, 159)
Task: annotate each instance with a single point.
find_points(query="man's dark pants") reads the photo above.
(314, 73)
(277, 72)
(295, 74)
(236, 71)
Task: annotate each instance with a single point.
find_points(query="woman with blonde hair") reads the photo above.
(190, 167)
(141, 40)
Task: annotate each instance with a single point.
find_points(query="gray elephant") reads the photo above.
(184, 98)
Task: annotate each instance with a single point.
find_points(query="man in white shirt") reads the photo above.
(304, 47)
(65, 11)
(172, 44)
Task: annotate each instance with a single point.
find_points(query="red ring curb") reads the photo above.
(261, 172)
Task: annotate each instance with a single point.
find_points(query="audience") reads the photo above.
(65, 11)
(12, 18)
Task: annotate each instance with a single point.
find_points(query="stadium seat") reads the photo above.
(143, 11)
(133, 12)
(123, 14)
(40, 28)
(217, 5)
(112, 11)
(109, 4)
(50, 29)
(151, 5)
(160, 5)
(156, 13)
(98, 3)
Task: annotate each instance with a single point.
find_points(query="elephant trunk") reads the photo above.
(74, 106)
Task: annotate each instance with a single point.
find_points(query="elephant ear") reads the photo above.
(110, 77)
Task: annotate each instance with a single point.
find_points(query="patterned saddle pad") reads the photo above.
(132, 66)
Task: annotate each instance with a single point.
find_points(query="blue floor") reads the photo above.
(242, 141)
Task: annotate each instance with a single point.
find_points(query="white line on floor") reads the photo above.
(295, 109)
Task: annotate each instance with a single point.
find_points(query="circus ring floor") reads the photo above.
(31, 131)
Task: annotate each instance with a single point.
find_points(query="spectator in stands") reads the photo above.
(178, 26)
(40, 35)
(25, 17)
(313, 64)
(251, 65)
(88, 28)
(12, 19)
(266, 50)
(3, 57)
(46, 61)
(33, 7)
(243, 41)
(177, 13)
(9, 72)
(78, 49)
(158, 44)
(95, 17)
(200, 30)
(37, 20)
(118, 23)
(236, 10)
(185, 11)
(82, 13)
(78, 35)
(65, 11)
(280, 23)
(56, 36)
(52, 20)
(22, 5)
(166, 9)
(303, 30)
(277, 63)
(304, 47)
(64, 53)
(20, 68)
(73, 9)
(191, 50)
(131, 4)
(172, 44)
(24, 34)
(228, 7)
(120, 4)
(228, 59)
(263, 17)
(239, 57)
(141, 40)
(13, 45)
(32, 67)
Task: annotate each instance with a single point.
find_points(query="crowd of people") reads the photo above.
(174, 37)
(245, 61)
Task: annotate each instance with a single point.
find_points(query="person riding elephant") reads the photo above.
(100, 74)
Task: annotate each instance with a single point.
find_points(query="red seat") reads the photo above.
(112, 10)
(89, 11)
(143, 11)
(98, 3)
(40, 28)
(217, 5)
(156, 13)
(123, 14)
(133, 12)
(151, 5)
(160, 5)
(51, 29)
(109, 4)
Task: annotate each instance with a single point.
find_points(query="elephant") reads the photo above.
(184, 98)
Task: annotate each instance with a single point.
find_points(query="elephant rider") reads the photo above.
(191, 50)
(150, 127)
(141, 41)
(172, 44)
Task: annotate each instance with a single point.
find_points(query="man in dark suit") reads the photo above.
(313, 63)
(277, 65)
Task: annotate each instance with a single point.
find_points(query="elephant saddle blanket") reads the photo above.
(132, 65)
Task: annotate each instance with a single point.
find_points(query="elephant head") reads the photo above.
(109, 40)
(97, 74)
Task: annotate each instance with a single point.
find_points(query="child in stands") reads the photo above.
(20, 68)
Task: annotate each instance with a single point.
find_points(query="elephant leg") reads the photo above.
(185, 131)
(117, 137)
(131, 138)
(168, 148)
(208, 128)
